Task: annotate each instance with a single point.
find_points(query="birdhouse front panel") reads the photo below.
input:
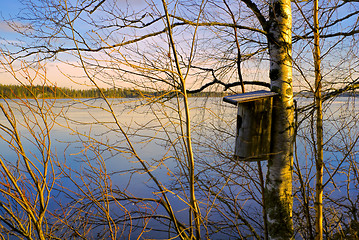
(254, 119)
(253, 130)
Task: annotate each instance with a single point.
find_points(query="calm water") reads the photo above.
(83, 131)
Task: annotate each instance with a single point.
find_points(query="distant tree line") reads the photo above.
(38, 91)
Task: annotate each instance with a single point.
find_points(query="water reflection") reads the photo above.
(90, 138)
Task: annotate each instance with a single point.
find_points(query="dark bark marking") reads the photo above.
(278, 9)
(274, 74)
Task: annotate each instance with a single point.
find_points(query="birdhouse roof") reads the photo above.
(249, 96)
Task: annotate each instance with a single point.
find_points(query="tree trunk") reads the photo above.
(278, 194)
(319, 125)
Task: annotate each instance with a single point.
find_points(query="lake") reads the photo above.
(95, 146)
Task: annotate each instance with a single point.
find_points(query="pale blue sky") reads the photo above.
(12, 7)
(9, 8)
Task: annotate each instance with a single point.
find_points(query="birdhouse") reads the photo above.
(254, 119)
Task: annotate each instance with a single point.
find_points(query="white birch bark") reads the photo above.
(279, 200)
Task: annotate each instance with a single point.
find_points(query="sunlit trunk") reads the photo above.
(319, 125)
(279, 200)
(194, 211)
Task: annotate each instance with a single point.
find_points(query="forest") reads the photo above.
(37, 91)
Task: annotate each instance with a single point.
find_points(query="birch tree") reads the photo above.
(279, 179)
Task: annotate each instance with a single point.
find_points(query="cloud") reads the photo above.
(9, 27)
(4, 27)
(10, 42)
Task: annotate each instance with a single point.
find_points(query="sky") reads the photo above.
(9, 9)
(50, 70)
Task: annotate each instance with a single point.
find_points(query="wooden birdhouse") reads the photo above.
(254, 119)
